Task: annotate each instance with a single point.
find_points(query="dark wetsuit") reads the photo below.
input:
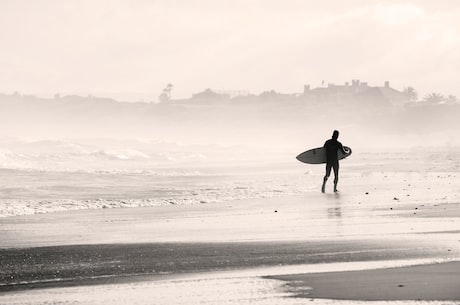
(332, 147)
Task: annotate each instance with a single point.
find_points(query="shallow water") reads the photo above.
(424, 178)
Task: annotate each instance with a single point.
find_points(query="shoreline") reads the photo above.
(56, 192)
(308, 217)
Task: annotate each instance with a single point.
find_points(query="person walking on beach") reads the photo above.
(332, 146)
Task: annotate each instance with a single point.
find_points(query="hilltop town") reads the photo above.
(360, 108)
(356, 92)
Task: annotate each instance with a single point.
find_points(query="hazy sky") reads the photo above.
(132, 49)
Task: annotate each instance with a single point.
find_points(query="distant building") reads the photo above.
(357, 91)
(233, 93)
(209, 94)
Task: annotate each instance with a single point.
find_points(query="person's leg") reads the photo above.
(336, 175)
(328, 173)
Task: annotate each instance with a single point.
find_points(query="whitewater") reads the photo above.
(56, 175)
(49, 176)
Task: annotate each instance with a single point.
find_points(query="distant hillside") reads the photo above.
(280, 119)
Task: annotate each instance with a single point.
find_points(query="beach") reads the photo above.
(266, 235)
(177, 152)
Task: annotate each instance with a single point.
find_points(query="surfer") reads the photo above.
(332, 146)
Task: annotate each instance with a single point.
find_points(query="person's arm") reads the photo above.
(345, 151)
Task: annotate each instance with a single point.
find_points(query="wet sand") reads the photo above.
(74, 265)
(435, 282)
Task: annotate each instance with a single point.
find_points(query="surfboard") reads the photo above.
(318, 155)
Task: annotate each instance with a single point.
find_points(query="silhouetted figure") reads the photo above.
(332, 146)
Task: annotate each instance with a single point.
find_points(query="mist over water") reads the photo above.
(240, 124)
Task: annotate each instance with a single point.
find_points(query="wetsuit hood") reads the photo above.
(335, 134)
